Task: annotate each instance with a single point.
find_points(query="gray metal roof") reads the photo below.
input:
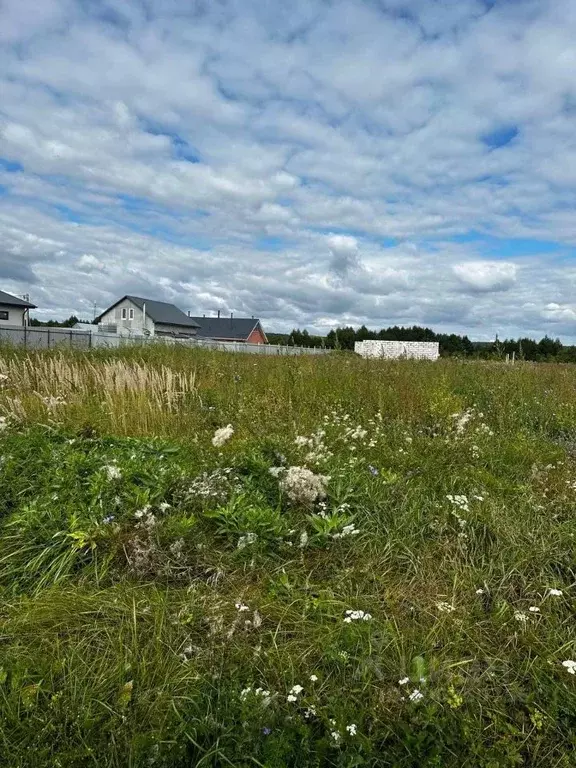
(14, 301)
(159, 311)
(226, 327)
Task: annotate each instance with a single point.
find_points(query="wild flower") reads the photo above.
(222, 435)
(445, 607)
(303, 539)
(112, 472)
(356, 616)
(276, 471)
(266, 731)
(314, 678)
(416, 695)
(296, 689)
(303, 486)
(460, 501)
(241, 608)
(352, 729)
(373, 470)
(570, 666)
(404, 681)
(348, 530)
(534, 609)
(462, 419)
(291, 697)
(480, 591)
(555, 592)
(520, 616)
(245, 540)
(108, 519)
(176, 549)
(163, 506)
(310, 712)
(3, 423)
(335, 736)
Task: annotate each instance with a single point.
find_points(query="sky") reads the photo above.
(313, 163)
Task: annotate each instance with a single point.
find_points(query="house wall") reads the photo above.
(256, 337)
(165, 329)
(128, 327)
(15, 315)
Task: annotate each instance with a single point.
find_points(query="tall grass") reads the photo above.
(161, 596)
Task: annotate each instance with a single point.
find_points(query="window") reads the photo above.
(131, 314)
(124, 313)
(4, 315)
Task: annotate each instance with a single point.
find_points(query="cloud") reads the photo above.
(315, 163)
(486, 276)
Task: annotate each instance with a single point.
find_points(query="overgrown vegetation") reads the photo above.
(209, 560)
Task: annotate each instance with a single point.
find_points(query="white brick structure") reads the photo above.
(391, 350)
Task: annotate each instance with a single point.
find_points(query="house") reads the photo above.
(135, 316)
(13, 310)
(243, 329)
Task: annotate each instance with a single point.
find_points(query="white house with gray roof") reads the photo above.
(14, 310)
(135, 316)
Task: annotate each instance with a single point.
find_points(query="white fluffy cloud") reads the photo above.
(313, 163)
(482, 276)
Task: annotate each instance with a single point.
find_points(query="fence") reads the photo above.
(34, 337)
(389, 350)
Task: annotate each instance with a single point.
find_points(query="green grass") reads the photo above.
(160, 596)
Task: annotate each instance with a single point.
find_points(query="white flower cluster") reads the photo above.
(416, 695)
(460, 501)
(356, 616)
(302, 486)
(318, 450)
(348, 530)
(222, 435)
(3, 423)
(294, 692)
(462, 419)
(112, 472)
(216, 484)
(356, 433)
(246, 540)
(444, 607)
(570, 666)
(260, 693)
(52, 401)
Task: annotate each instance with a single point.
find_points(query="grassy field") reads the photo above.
(373, 565)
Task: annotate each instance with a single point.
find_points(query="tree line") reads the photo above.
(451, 344)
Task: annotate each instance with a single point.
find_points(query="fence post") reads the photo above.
(70, 345)
(48, 338)
(25, 336)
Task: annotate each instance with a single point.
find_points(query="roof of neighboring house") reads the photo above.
(14, 301)
(227, 327)
(158, 311)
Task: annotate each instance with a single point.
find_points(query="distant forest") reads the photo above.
(451, 345)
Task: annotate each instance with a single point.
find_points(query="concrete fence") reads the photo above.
(38, 337)
(391, 350)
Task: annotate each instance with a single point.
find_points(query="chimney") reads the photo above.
(188, 313)
(218, 313)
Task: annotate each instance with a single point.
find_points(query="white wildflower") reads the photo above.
(352, 729)
(314, 678)
(570, 666)
(291, 697)
(480, 591)
(356, 616)
(416, 695)
(555, 592)
(276, 471)
(303, 539)
(460, 501)
(444, 607)
(241, 608)
(335, 736)
(534, 609)
(163, 506)
(521, 617)
(112, 472)
(246, 540)
(245, 693)
(222, 435)
(310, 712)
(404, 681)
(303, 486)
(296, 689)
